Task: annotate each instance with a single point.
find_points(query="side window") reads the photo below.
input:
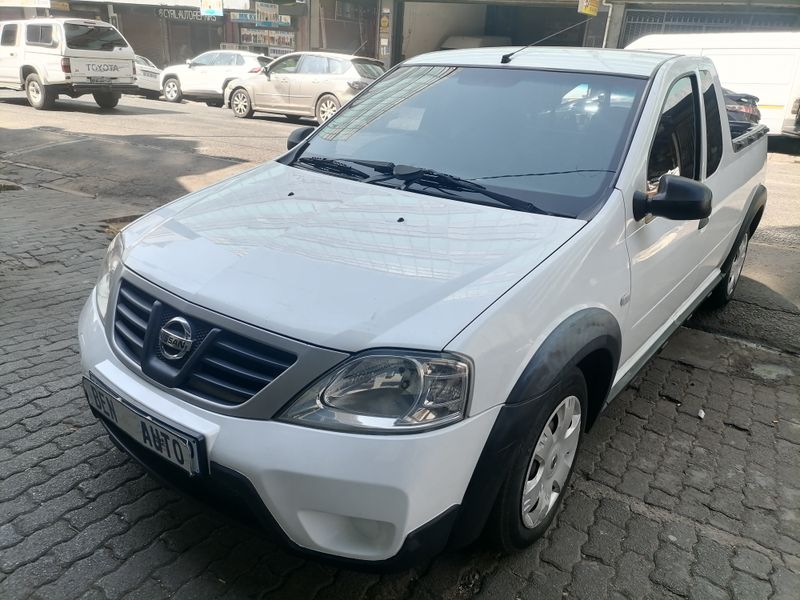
(205, 59)
(239, 60)
(41, 35)
(224, 59)
(337, 67)
(675, 147)
(312, 64)
(9, 37)
(713, 123)
(285, 65)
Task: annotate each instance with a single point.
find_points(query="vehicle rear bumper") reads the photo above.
(79, 89)
(368, 501)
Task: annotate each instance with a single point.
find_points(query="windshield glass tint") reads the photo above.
(87, 37)
(549, 138)
(370, 70)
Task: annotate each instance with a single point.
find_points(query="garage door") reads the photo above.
(644, 22)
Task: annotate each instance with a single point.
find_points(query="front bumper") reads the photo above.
(382, 500)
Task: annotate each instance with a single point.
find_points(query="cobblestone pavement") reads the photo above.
(663, 504)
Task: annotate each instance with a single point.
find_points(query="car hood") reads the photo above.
(339, 263)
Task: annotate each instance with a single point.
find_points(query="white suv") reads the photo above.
(73, 57)
(206, 76)
(394, 336)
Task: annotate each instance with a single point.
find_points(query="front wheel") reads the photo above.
(172, 90)
(39, 95)
(241, 105)
(327, 106)
(535, 486)
(723, 292)
(106, 99)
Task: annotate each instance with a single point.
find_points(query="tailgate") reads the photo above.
(102, 68)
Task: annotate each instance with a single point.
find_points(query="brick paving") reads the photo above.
(663, 504)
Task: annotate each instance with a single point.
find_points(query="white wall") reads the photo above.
(427, 24)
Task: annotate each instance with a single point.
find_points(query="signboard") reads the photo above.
(25, 3)
(181, 14)
(265, 15)
(266, 37)
(211, 8)
(59, 5)
(588, 7)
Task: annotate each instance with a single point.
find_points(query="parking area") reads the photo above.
(664, 503)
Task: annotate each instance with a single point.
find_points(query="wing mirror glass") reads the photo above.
(297, 136)
(677, 198)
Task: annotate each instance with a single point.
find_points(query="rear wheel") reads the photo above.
(723, 293)
(172, 90)
(106, 99)
(39, 96)
(542, 467)
(241, 105)
(327, 106)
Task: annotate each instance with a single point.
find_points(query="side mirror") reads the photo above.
(678, 198)
(297, 136)
(189, 63)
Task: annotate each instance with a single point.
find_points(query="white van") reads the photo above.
(48, 57)
(765, 64)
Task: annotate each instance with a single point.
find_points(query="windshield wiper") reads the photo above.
(444, 182)
(331, 165)
(545, 173)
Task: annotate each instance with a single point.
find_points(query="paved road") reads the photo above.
(663, 504)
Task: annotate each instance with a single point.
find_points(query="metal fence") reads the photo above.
(644, 22)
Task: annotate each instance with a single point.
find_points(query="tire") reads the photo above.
(517, 521)
(106, 99)
(723, 292)
(39, 96)
(241, 105)
(327, 106)
(172, 90)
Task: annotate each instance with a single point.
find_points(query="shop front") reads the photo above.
(263, 30)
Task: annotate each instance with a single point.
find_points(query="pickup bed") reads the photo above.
(394, 337)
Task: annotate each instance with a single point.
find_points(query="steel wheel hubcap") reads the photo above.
(737, 265)
(240, 104)
(327, 110)
(551, 462)
(35, 91)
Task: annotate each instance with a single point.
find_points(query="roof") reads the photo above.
(623, 62)
(59, 20)
(736, 41)
(334, 55)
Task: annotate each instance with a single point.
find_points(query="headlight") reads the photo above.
(112, 263)
(386, 393)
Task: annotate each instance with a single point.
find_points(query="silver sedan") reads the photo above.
(303, 84)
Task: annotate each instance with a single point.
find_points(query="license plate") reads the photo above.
(180, 448)
(100, 79)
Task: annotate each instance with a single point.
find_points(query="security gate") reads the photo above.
(644, 22)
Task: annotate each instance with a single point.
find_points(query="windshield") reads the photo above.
(367, 69)
(550, 139)
(90, 37)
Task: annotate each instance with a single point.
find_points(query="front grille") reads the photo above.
(221, 365)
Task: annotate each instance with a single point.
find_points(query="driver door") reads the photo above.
(272, 92)
(194, 78)
(666, 255)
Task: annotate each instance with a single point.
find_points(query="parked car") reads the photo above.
(206, 76)
(303, 84)
(394, 336)
(763, 63)
(741, 107)
(148, 78)
(71, 57)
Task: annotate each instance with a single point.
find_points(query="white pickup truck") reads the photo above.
(393, 337)
(73, 57)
